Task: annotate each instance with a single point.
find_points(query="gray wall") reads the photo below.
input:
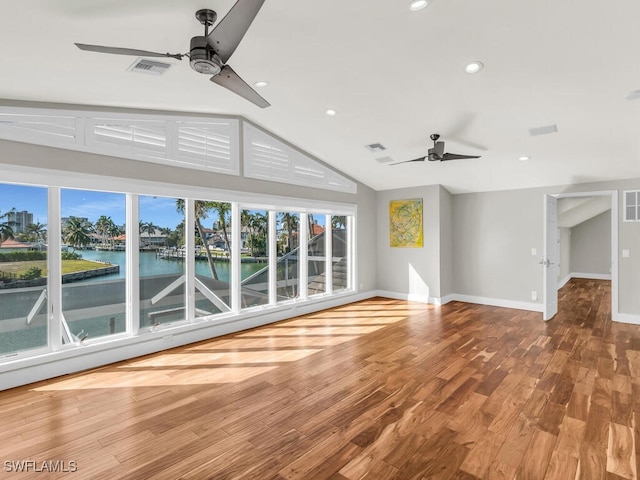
(591, 245)
(412, 271)
(494, 232)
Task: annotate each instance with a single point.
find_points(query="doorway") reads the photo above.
(550, 261)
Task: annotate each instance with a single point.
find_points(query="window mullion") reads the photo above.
(54, 268)
(303, 254)
(190, 269)
(235, 258)
(328, 258)
(273, 258)
(133, 264)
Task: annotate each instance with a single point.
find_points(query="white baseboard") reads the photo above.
(627, 318)
(410, 297)
(499, 302)
(495, 302)
(591, 276)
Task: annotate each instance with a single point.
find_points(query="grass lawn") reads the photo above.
(68, 266)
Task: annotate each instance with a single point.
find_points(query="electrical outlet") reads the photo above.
(361, 286)
(534, 252)
(534, 295)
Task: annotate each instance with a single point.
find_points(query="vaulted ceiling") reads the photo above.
(392, 75)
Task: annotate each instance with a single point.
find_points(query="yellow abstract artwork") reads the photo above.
(405, 223)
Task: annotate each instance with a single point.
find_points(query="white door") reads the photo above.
(551, 258)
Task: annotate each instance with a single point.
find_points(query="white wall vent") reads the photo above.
(632, 206)
(143, 65)
(267, 158)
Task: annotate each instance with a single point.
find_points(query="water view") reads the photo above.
(152, 265)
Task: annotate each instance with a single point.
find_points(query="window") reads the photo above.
(316, 254)
(126, 264)
(254, 266)
(632, 206)
(288, 268)
(23, 268)
(162, 261)
(339, 253)
(212, 257)
(93, 264)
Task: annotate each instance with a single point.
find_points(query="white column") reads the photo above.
(189, 261)
(328, 250)
(273, 257)
(303, 251)
(235, 258)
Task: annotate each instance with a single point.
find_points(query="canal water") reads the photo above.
(151, 265)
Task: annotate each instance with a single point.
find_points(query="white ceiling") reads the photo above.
(393, 76)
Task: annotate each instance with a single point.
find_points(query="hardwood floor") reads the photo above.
(380, 389)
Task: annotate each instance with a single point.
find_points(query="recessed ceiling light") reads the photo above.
(261, 84)
(524, 158)
(415, 5)
(330, 111)
(474, 67)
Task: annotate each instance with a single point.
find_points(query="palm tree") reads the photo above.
(258, 224)
(290, 222)
(77, 232)
(149, 228)
(104, 226)
(6, 226)
(201, 210)
(37, 231)
(224, 211)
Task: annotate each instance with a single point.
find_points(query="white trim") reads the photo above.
(132, 279)
(54, 267)
(628, 318)
(564, 281)
(495, 302)
(592, 276)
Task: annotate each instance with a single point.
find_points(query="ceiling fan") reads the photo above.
(436, 154)
(209, 53)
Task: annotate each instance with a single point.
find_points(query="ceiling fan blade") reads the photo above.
(225, 38)
(230, 80)
(126, 51)
(455, 156)
(421, 159)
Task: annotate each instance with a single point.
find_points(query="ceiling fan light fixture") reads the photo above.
(474, 67)
(415, 5)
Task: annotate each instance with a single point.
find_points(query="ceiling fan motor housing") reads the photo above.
(203, 58)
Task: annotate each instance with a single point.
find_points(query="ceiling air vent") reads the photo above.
(142, 65)
(547, 129)
(375, 147)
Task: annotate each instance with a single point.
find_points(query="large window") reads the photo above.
(23, 268)
(93, 264)
(129, 264)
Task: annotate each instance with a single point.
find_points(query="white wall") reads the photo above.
(565, 255)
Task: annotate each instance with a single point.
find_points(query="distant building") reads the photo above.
(21, 220)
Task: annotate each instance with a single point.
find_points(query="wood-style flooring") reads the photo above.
(380, 389)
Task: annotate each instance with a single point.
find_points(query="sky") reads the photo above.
(161, 211)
